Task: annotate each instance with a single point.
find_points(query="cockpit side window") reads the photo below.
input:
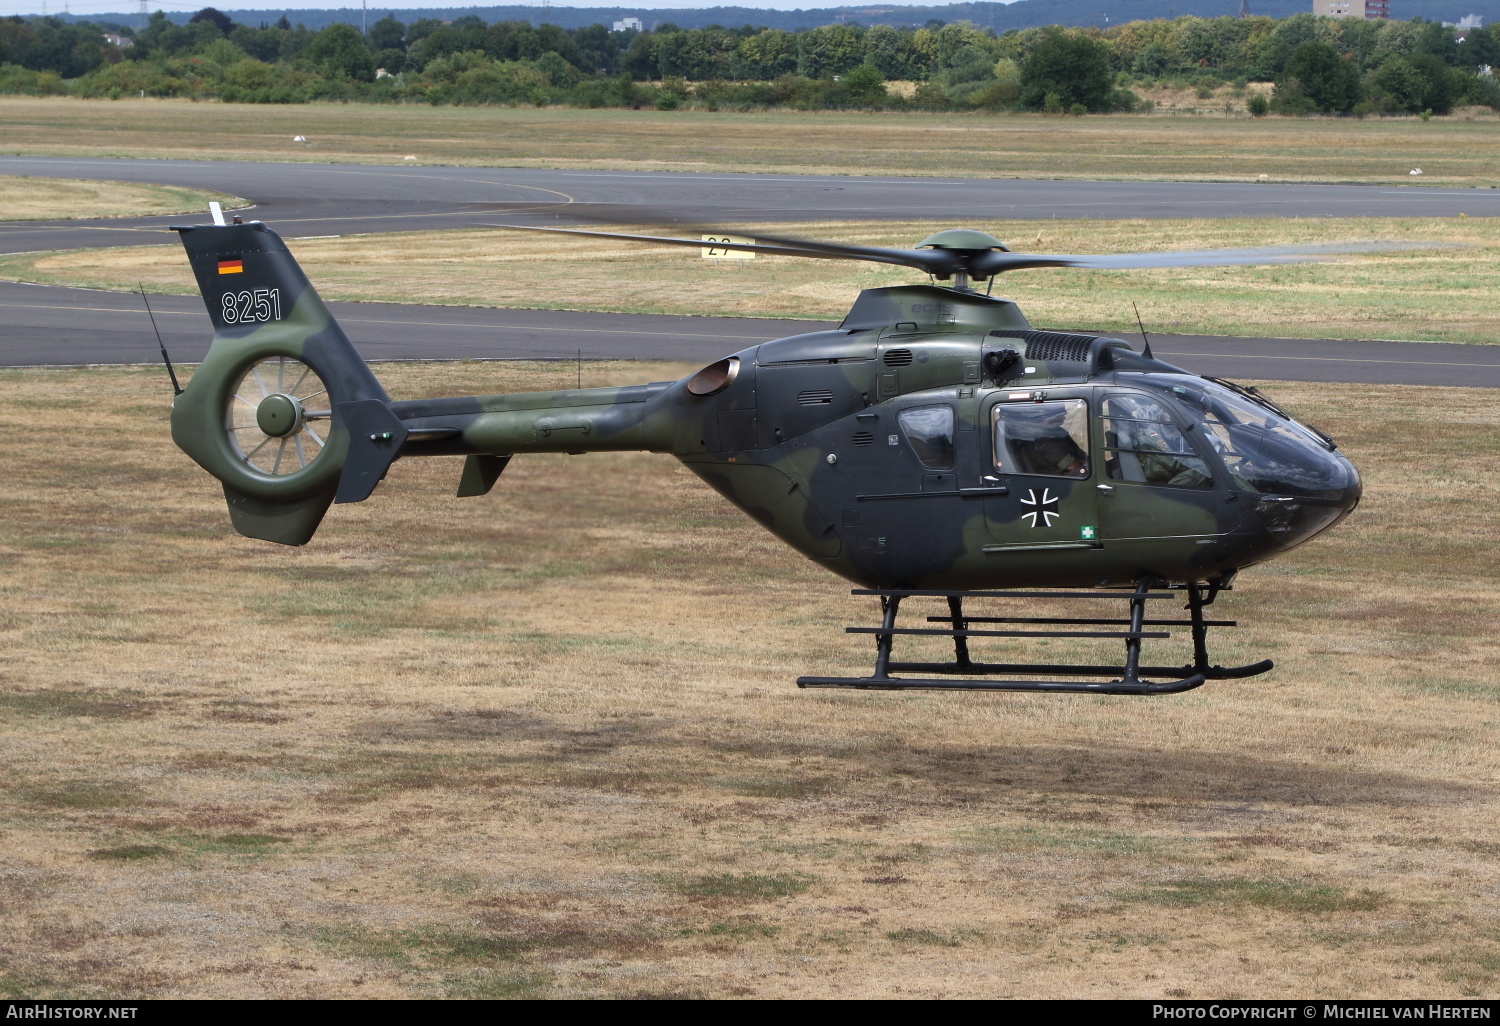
(1143, 444)
(1049, 439)
(929, 430)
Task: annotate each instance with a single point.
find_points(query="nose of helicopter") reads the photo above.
(1354, 490)
(1294, 519)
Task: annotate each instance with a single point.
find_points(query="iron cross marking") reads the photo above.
(1044, 507)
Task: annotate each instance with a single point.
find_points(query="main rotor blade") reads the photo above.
(985, 263)
(934, 261)
(937, 261)
(996, 263)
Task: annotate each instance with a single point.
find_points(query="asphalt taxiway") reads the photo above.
(45, 326)
(333, 199)
(51, 326)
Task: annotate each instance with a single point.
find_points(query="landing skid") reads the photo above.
(1130, 678)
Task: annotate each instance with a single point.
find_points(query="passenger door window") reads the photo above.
(1143, 444)
(1047, 439)
(929, 430)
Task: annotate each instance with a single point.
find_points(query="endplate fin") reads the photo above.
(375, 437)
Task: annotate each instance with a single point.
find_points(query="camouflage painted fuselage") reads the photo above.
(805, 440)
(804, 434)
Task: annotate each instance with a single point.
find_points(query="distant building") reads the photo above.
(114, 40)
(626, 25)
(1472, 21)
(1353, 8)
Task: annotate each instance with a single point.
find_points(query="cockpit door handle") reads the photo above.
(1105, 488)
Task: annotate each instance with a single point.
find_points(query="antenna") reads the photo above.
(217, 212)
(1145, 342)
(176, 388)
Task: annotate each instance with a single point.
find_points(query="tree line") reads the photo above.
(1318, 64)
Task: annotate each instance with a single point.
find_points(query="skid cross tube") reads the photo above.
(1133, 641)
(960, 629)
(1131, 676)
(883, 643)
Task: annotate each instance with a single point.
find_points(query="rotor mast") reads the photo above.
(964, 246)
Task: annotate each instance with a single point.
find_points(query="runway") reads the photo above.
(48, 326)
(335, 199)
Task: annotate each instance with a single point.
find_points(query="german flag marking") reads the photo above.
(231, 267)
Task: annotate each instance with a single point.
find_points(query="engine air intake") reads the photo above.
(1052, 346)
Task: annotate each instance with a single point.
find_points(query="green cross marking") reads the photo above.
(1086, 533)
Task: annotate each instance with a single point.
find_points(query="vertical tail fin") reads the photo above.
(260, 414)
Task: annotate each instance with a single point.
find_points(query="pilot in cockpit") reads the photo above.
(1051, 448)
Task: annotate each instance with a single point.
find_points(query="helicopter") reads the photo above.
(934, 445)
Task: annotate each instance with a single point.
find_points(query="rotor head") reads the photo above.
(963, 239)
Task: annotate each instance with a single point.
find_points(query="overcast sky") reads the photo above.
(89, 7)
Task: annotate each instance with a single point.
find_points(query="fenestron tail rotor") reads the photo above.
(278, 416)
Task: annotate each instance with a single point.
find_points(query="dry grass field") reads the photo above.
(25, 198)
(1175, 146)
(1450, 292)
(546, 743)
(1217, 101)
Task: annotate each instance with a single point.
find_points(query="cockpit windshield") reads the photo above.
(1263, 450)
